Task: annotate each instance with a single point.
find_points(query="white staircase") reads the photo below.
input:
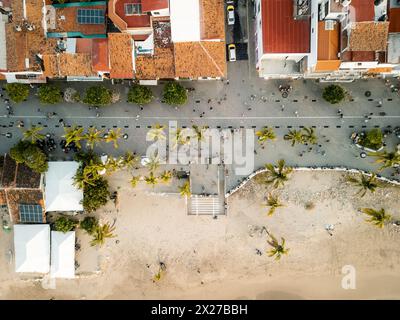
(201, 205)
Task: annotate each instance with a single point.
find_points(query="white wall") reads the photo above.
(282, 56)
(3, 51)
(160, 13)
(313, 56)
(359, 65)
(185, 20)
(259, 34)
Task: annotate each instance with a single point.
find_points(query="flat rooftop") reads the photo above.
(281, 32)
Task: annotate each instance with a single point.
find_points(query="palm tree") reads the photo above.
(79, 180)
(184, 190)
(199, 132)
(295, 136)
(130, 160)
(310, 136)
(365, 183)
(73, 135)
(93, 136)
(177, 138)
(265, 134)
(113, 164)
(156, 133)
(33, 134)
(153, 163)
(277, 249)
(113, 136)
(166, 176)
(134, 181)
(151, 179)
(91, 171)
(277, 176)
(377, 218)
(101, 233)
(387, 159)
(273, 203)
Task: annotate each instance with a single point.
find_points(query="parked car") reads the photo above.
(232, 52)
(231, 15)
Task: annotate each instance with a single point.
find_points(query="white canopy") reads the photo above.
(32, 248)
(60, 193)
(185, 20)
(62, 255)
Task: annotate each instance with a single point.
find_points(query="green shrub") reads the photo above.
(140, 95)
(31, 155)
(174, 94)
(49, 94)
(334, 94)
(17, 92)
(97, 96)
(64, 224)
(89, 224)
(95, 195)
(372, 140)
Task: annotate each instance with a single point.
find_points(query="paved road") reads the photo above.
(246, 102)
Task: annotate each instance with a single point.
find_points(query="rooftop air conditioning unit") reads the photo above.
(329, 25)
(345, 3)
(30, 27)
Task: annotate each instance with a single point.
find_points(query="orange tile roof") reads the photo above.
(158, 66)
(68, 64)
(327, 65)
(358, 56)
(212, 19)
(70, 23)
(369, 36)
(26, 44)
(380, 70)
(200, 59)
(120, 52)
(394, 18)
(328, 42)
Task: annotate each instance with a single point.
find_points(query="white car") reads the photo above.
(231, 15)
(232, 52)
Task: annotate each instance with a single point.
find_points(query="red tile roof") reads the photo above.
(100, 55)
(362, 10)
(132, 21)
(83, 45)
(152, 5)
(281, 33)
(6, 3)
(394, 18)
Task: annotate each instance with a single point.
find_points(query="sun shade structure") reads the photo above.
(32, 248)
(90, 16)
(60, 193)
(31, 213)
(62, 255)
(185, 20)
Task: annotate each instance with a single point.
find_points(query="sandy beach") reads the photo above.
(209, 258)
